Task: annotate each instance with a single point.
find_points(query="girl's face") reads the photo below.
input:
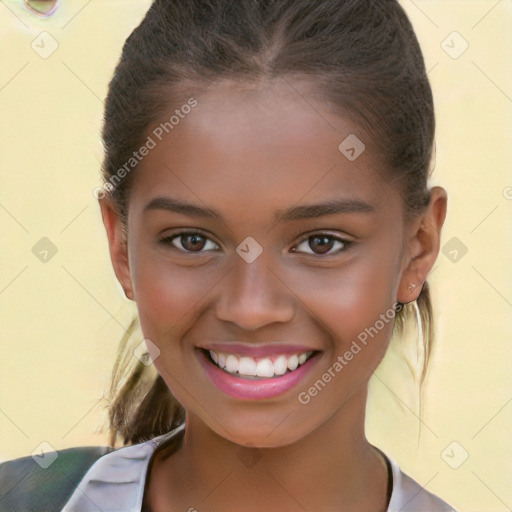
(253, 239)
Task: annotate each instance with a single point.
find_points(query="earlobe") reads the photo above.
(117, 244)
(422, 247)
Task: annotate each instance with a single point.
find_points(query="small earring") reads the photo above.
(412, 286)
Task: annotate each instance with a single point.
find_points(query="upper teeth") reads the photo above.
(266, 367)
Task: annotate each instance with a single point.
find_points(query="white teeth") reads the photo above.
(264, 368)
(281, 365)
(247, 366)
(232, 363)
(293, 362)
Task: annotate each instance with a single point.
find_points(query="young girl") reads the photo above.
(267, 208)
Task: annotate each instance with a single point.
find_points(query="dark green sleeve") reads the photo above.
(26, 487)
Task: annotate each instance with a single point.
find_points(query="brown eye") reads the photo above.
(190, 242)
(322, 244)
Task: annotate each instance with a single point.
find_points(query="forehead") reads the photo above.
(268, 144)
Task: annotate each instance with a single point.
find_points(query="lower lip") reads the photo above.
(253, 389)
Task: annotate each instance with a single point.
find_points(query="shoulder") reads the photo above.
(117, 480)
(45, 482)
(409, 496)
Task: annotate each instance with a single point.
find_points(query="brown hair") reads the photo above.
(362, 57)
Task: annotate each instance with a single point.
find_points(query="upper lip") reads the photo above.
(257, 349)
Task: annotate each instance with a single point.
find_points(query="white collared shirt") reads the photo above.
(115, 483)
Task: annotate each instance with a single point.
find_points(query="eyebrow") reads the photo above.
(311, 211)
(183, 207)
(332, 207)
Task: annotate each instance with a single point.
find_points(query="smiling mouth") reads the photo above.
(258, 368)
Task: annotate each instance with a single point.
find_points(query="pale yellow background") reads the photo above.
(61, 320)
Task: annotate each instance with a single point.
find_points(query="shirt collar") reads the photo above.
(116, 481)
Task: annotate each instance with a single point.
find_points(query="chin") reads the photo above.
(265, 433)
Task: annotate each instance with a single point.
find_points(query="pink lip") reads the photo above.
(252, 389)
(253, 350)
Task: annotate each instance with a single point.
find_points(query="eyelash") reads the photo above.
(168, 241)
(345, 244)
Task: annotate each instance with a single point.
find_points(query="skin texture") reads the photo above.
(248, 152)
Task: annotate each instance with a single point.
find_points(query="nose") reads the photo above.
(253, 296)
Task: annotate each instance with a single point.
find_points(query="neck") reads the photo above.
(332, 468)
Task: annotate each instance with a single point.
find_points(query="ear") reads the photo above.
(422, 247)
(117, 244)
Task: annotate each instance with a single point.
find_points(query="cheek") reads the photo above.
(353, 305)
(356, 309)
(165, 295)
